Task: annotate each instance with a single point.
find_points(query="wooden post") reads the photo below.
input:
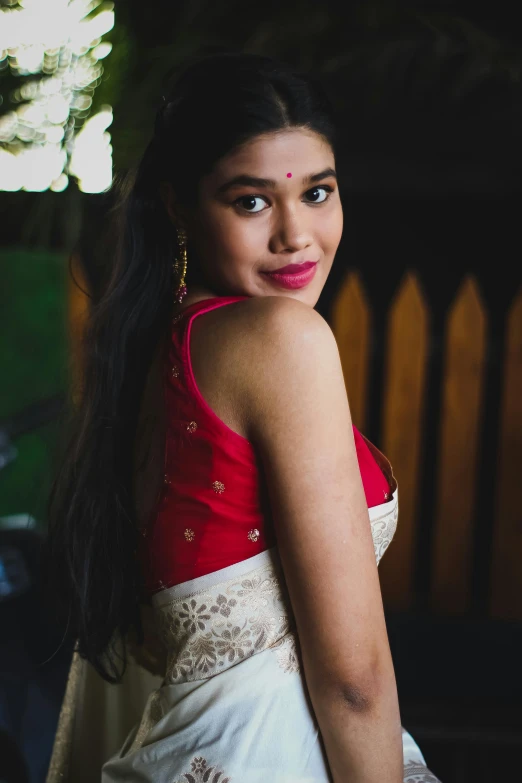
(402, 431)
(506, 599)
(459, 440)
(351, 326)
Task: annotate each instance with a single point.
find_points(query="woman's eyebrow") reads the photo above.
(261, 182)
(311, 178)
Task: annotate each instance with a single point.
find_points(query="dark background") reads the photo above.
(429, 96)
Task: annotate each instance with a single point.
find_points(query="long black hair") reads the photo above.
(218, 102)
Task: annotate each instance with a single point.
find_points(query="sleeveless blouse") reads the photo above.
(214, 510)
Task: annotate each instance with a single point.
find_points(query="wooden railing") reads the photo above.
(458, 546)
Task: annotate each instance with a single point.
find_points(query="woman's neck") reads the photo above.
(195, 294)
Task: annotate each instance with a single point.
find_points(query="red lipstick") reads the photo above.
(293, 276)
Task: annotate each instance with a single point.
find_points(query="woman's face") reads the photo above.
(271, 203)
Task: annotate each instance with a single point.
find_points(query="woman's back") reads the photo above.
(211, 512)
(202, 499)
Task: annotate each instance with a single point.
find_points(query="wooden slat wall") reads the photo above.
(459, 440)
(351, 326)
(507, 544)
(465, 345)
(402, 428)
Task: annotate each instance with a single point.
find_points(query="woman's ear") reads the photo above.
(170, 201)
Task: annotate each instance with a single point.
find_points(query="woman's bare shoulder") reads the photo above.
(276, 334)
(246, 354)
(280, 342)
(278, 311)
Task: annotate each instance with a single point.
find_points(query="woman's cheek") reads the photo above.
(331, 231)
(247, 237)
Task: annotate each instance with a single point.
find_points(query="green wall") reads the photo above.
(33, 365)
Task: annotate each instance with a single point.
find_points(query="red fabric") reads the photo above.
(201, 526)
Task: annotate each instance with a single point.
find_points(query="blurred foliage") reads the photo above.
(117, 68)
(106, 91)
(33, 351)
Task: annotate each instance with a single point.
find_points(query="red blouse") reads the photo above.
(214, 510)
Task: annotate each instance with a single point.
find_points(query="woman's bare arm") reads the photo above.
(299, 419)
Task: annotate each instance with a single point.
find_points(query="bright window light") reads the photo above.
(48, 132)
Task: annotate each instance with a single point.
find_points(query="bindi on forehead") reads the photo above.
(289, 174)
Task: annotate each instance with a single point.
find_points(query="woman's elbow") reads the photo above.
(364, 693)
(357, 698)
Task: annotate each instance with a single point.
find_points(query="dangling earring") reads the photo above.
(181, 290)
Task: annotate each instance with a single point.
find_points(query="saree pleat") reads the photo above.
(95, 719)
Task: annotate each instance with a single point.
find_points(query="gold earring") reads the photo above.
(181, 290)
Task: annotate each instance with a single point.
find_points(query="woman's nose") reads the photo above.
(291, 234)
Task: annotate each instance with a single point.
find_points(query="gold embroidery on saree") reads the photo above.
(383, 530)
(59, 765)
(287, 654)
(415, 772)
(151, 715)
(213, 629)
(200, 772)
(210, 631)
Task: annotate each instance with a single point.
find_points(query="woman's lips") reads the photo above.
(291, 268)
(288, 278)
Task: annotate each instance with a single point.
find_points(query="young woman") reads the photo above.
(215, 479)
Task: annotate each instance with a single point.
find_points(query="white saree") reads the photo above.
(233, 706)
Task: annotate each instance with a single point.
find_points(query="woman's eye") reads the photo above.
(318, 195)
(251, 203)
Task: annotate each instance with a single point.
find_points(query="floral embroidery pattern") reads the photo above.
(257, 592)
(210, 630)
(415, 772)
(192, 617)
(223, 605)
(234, 642)
(201, 773)
(264, 628)
(383, 530)
(287, 655)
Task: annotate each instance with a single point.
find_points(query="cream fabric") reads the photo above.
(233, 706)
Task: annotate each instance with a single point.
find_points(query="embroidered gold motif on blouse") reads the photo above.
(218, 487)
